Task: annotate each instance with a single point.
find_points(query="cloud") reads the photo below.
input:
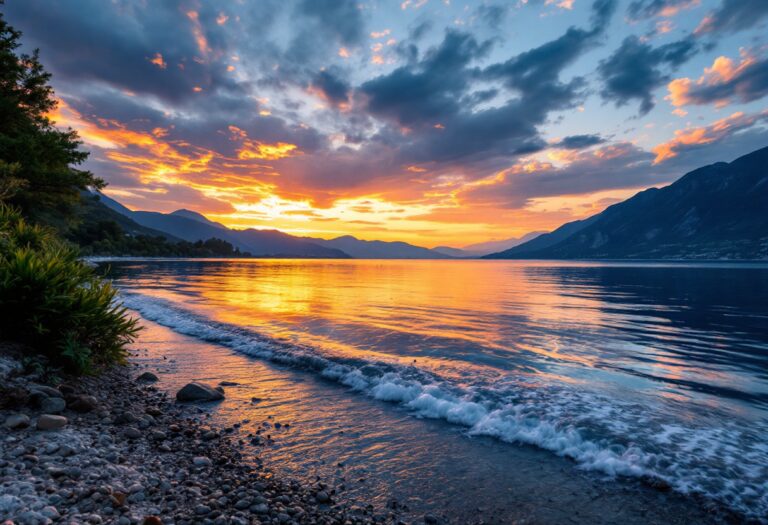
(614, 166)
(732, 16)
(331, 87)
(723, 82)
(695, 138)
(636, 69)
(341, 19)
(579, 141)
(644, 9)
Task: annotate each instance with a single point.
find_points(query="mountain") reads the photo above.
(485, 248)
(191, 226)
(453, 252)
(93, 210)
(714, 212)
(360, 249)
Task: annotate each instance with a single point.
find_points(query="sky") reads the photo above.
(436, 122)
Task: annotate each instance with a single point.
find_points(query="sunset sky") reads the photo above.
(437, 122)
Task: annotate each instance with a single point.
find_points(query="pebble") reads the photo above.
(201, 461)
(51, 422)
(132, 433)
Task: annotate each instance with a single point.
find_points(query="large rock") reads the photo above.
(53, 405)
(51, 422)
(199, 392)
(84, 403)
(147, 377)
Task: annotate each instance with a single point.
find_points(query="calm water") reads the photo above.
(626, 369)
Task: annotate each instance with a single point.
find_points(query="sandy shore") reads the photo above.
(115, 449)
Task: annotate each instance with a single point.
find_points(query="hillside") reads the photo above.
(714, 212)
(192, 227)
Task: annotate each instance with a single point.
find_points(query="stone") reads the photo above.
(228, 383)
(322, 497)
(202, 510)
(148, 377)
(84, 404)
(51, 422)
(124, 418)
(132, 433)
(53, 405)
(242, 504)
(201, 461)
(152, 520)
(47, 390)
(16, 421)
(198, 392)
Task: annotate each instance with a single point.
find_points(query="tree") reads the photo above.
(37, 160)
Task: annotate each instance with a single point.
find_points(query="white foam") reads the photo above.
(724, 461)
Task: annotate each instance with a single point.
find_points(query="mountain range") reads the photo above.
(714, 212)
(719, 211)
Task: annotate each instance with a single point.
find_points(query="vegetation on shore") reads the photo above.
(49, 300)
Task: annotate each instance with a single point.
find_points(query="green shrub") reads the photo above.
(54, 303)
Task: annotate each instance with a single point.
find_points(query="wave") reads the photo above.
(726, 461)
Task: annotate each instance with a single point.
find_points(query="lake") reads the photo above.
(630, 370)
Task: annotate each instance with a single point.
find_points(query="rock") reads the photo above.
(157, 435)
(124, 418)
(152, 520)
(228, 383)
(261, 508)
(50, 512)
(322, 497)
(202, 510)
(429, 519)
(198, 392)
(51, 422)
(201, 461)
(242, 504)
(15, 421)
(47, 390)
(148, 377)
(132, 433)
(84, 404)
(53, 405)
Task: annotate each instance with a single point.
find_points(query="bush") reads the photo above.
(54, 303)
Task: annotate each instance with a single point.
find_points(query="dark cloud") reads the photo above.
(434, 98)
(636, 69)
(341, 19)
(111, 43)
(580, 141)
(334, 89)
(734, 15)
(492, 15)
(428, 92)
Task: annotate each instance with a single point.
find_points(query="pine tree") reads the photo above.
(38, 172)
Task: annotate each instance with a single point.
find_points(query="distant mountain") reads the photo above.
(453, 252)
(360, 249)
(191, 226)
(715, 212)
(484, 248)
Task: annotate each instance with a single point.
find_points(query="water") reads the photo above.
(629, 370)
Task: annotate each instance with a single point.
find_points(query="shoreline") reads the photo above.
(127, 453)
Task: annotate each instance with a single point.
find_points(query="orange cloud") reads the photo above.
(198, 33)
(705, 134)
(158, 61)
(722, 70)
(254, 149)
